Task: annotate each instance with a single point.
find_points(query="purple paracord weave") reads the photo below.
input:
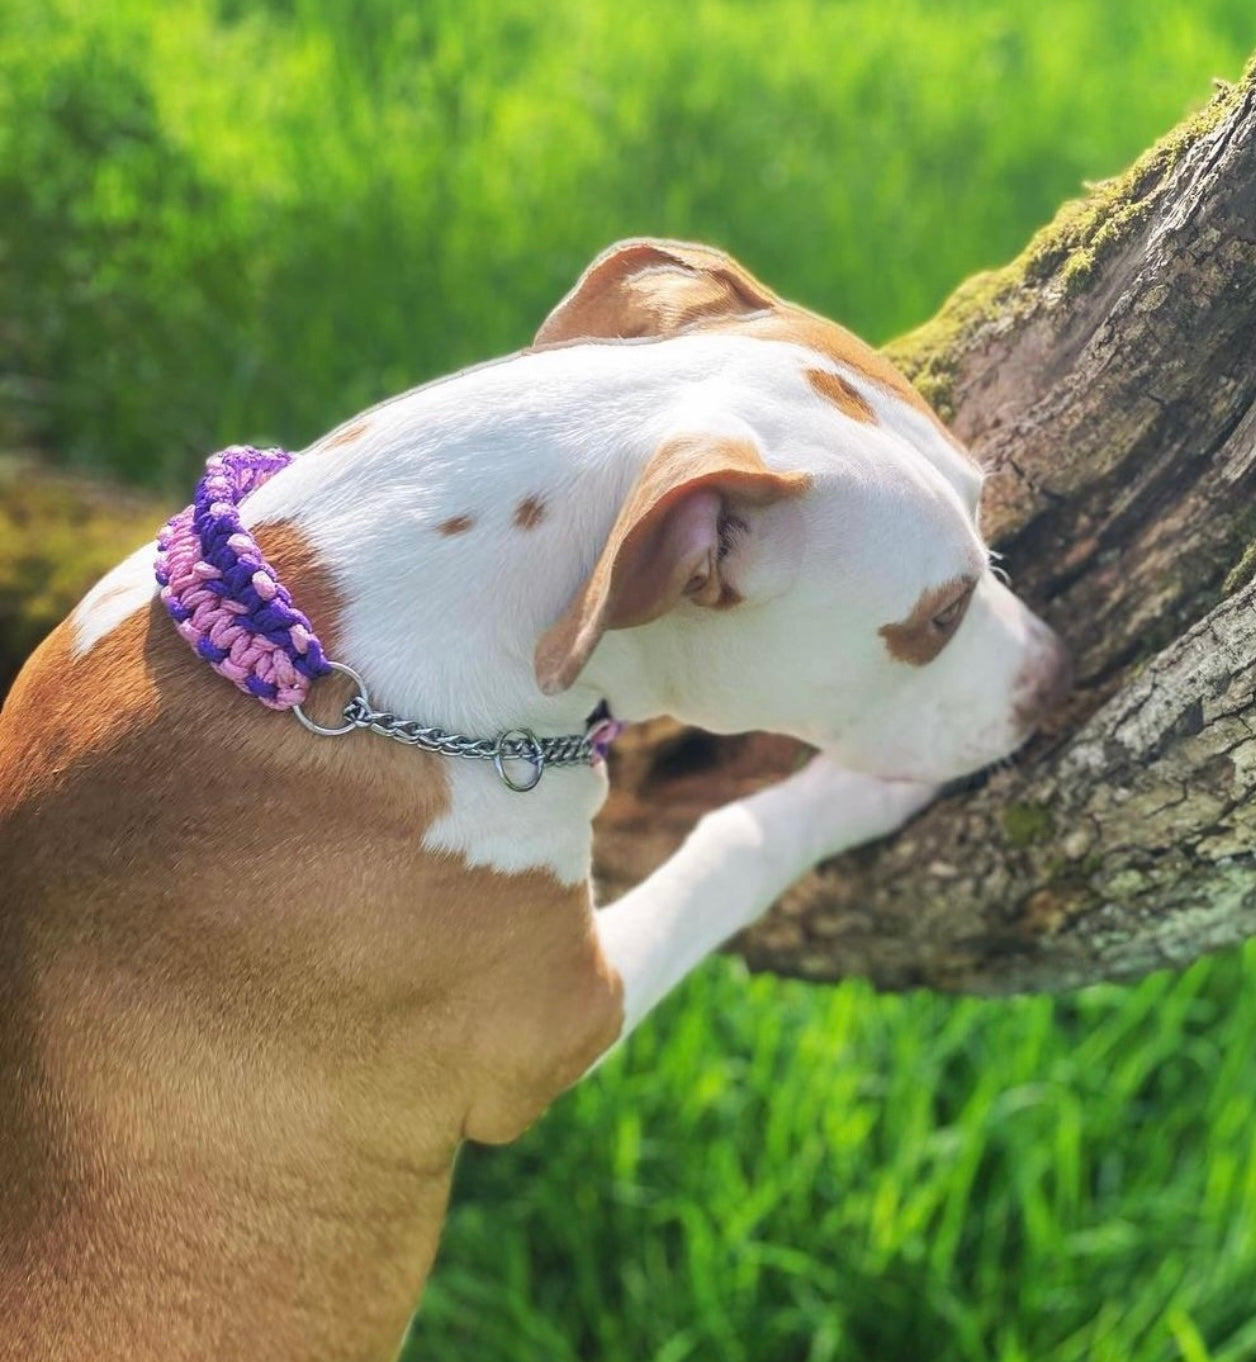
(224, 597)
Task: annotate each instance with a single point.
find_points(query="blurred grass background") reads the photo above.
(231, 220)
(237, 218)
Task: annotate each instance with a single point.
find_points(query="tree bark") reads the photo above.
(1107, 379)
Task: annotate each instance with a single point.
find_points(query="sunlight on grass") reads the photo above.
(772, 1170)
(244, 221)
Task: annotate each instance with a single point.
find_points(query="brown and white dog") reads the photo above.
(256, 985)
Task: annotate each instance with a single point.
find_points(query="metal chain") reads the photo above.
(571, 749)
(518, 744)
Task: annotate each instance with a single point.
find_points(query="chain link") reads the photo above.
(572, 749)
(518, 744)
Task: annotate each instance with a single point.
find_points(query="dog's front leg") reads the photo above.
(733, 866)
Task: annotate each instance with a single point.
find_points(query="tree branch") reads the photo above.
(1107, 380)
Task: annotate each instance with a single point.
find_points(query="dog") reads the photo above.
(259, 983)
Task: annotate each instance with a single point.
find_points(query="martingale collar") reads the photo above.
(229, 605)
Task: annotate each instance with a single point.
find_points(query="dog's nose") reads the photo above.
(1046, 680)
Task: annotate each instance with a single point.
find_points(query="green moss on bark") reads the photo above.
(1063, 259)
(1026, 824)
(1243, 572)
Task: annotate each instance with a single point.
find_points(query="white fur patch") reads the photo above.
(117, 596)
(510, 832)
(732, 867)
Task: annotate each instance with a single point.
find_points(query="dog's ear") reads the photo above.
(664, 546)
(653, 288)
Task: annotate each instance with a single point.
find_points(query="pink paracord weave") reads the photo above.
(222, 594)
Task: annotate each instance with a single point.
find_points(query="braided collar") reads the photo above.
(228, 604)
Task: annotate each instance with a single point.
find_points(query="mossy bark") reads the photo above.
(1107, 379)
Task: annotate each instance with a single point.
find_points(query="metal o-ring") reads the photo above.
(349, 725)
(535, 755)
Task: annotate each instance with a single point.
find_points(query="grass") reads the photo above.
(229, 220)
(775, 1171)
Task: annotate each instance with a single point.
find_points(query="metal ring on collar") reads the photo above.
(535, 754)
(348, 726)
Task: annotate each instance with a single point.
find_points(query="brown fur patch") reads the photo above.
(662, 288)
(836, 389)
(529, 513)
(787, 322)
(650, 288)
(916, 640)
(347, 435)
(456, 524)
(245, 1017)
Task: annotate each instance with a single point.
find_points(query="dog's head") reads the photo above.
(820, 571)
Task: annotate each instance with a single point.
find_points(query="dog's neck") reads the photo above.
(452, 543)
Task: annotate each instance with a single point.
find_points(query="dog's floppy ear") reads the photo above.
(653, 288)
(664, 546)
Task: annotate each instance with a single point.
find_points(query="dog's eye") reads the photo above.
(728, 529)
(950, 615)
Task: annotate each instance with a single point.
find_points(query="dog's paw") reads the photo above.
(838, 809)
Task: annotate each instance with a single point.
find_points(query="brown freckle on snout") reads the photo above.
(456, 524)
(529, 513)
(347, 435)
(1044, 684)
(843, 395)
